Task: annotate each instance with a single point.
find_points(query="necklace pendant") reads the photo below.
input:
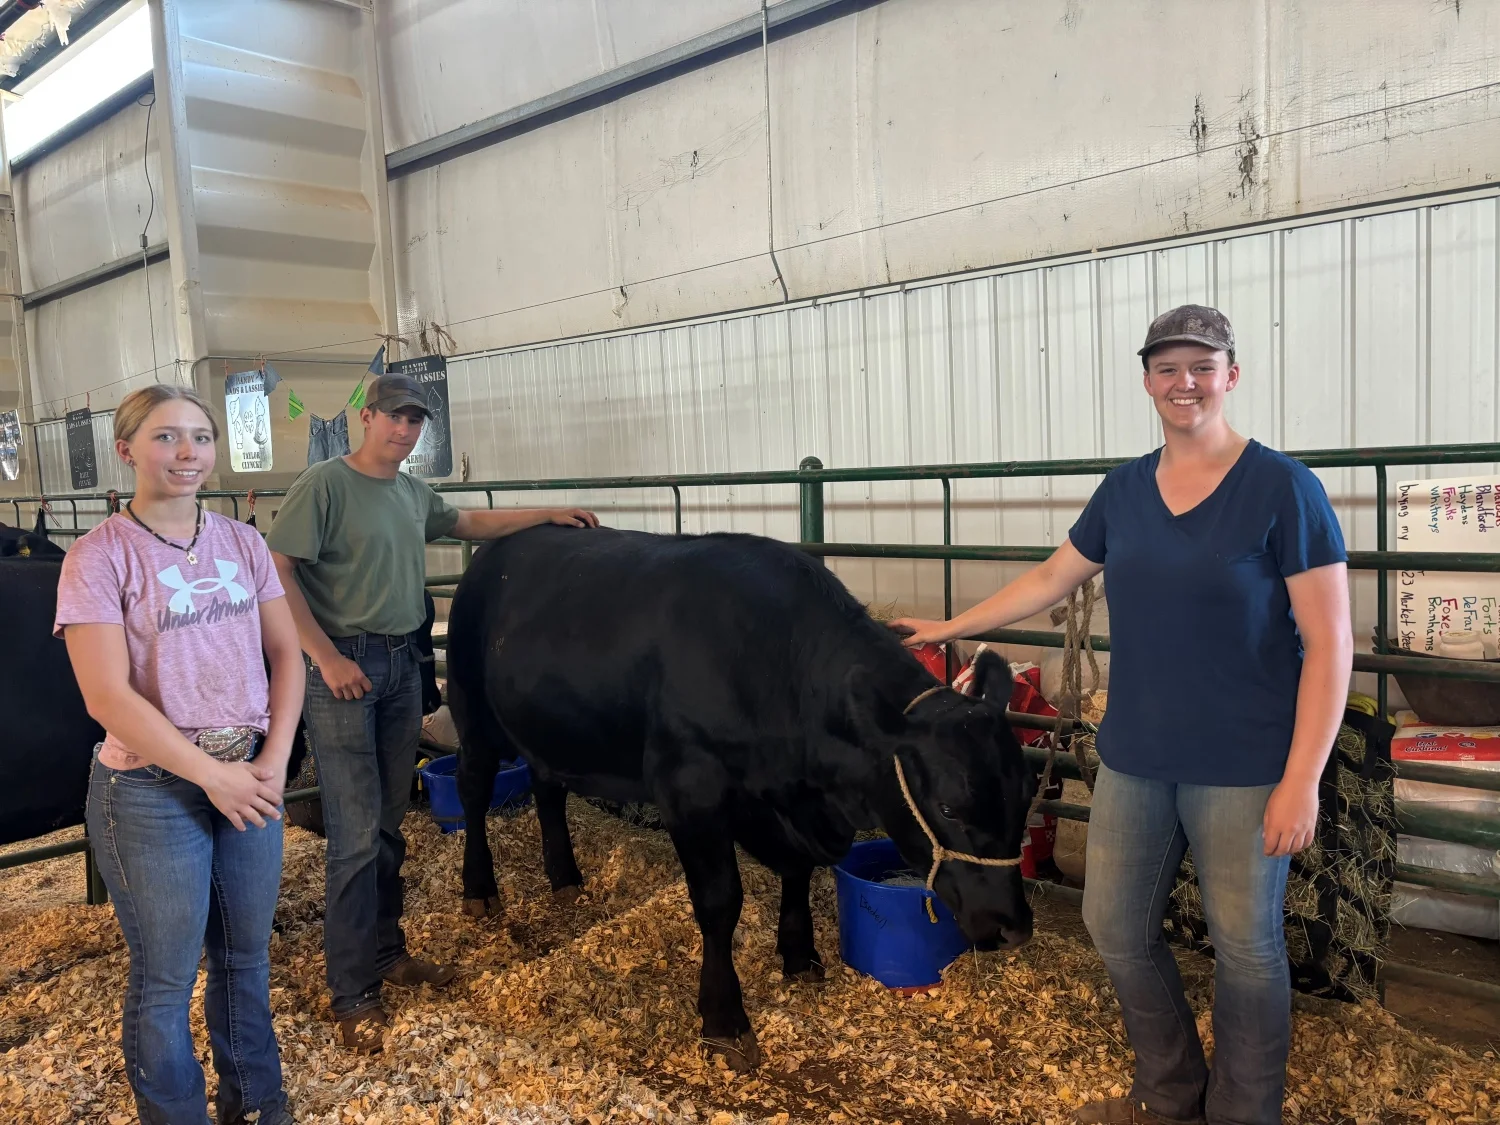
(192, 559)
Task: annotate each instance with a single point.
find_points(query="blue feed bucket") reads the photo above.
(884, 930)
(439, 777)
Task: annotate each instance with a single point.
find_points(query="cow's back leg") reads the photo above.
(557, 842)
(713, 879)
(794, 931)
(478, 762)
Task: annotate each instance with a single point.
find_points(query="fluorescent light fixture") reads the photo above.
(96, 71)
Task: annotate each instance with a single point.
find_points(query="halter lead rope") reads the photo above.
(940, 853)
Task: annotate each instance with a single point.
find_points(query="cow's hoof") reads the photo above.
(742, 1054)
(482, 907)
(567, 896)
(814, 973)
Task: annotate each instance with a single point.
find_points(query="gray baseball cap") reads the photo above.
(1189, 324)
(389, 393)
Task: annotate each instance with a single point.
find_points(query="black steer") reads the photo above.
(736, 684)
(15, 541)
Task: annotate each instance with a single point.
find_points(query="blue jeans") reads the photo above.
(366, 750)
(185, 880)
(1138, 832)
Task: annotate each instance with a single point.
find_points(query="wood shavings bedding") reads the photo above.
(587, 1015)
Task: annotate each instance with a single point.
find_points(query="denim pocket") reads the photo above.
(142, 776)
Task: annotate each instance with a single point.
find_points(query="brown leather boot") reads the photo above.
(409, 972)
(364, 1032)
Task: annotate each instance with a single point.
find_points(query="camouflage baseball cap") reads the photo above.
(1189, 324)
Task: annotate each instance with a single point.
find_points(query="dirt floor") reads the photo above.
(586, 1015)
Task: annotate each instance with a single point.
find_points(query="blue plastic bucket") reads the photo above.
(439, 778)
(884, 930)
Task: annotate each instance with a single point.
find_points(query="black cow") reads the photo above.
(46, 754)
(15, 541)
(735, 683)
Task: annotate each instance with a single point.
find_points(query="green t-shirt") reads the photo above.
(359, 542)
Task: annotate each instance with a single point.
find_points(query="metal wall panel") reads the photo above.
(437, 57)
(87, 203)
(100, 341)
(1377, 330)
(899, 150)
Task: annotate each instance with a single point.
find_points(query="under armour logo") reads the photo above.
(182, 601)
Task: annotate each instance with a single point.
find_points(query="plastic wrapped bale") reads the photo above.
(1338, 894)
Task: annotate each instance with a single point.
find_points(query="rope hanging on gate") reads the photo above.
(1078, 615)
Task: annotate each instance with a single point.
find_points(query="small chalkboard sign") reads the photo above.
(432, 457)
(82, 462)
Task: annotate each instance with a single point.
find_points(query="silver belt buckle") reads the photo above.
(228, 744)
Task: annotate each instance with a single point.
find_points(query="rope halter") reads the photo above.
(940, 853)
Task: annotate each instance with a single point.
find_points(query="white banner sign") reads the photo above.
(249, 414)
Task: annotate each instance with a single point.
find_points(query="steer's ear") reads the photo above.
(992, 678)
(873, 718)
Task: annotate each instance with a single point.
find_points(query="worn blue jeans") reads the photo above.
(1138, 832)
(185, 880)
(366, 750)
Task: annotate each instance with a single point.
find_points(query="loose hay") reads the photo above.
(588, 1015)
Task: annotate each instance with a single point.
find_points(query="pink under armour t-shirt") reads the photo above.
(193, 631)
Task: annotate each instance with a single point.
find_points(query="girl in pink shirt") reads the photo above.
(170, 614)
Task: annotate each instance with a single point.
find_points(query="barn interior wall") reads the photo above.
(79, 207)
(907, 139)
(1370, 330)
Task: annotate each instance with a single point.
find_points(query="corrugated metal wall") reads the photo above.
(1370, 330)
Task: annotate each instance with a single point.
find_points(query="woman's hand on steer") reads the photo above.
(572, 517)
(1291, 817)
(241, 796)
(344, 677)
(915, 631)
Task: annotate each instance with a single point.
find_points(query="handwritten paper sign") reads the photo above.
(1450, 514)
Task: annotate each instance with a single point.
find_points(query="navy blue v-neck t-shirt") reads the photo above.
(1205, 657)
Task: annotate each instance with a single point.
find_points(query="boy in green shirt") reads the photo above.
(349, 544)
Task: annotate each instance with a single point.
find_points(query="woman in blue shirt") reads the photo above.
(1230, 656)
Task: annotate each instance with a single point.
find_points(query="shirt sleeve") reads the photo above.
(88, 588)
(441, 515)
(1306, 533)
(1088, 534)
(297, 530)
(267, 582)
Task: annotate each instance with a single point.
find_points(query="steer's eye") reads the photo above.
(947, 811)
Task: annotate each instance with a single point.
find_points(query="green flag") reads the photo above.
(357, 399)
(294, 407)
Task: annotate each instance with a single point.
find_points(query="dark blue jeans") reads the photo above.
(1138, 832)
(185, 880)
(366, 750)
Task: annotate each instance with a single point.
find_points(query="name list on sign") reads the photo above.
(1458, 514)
